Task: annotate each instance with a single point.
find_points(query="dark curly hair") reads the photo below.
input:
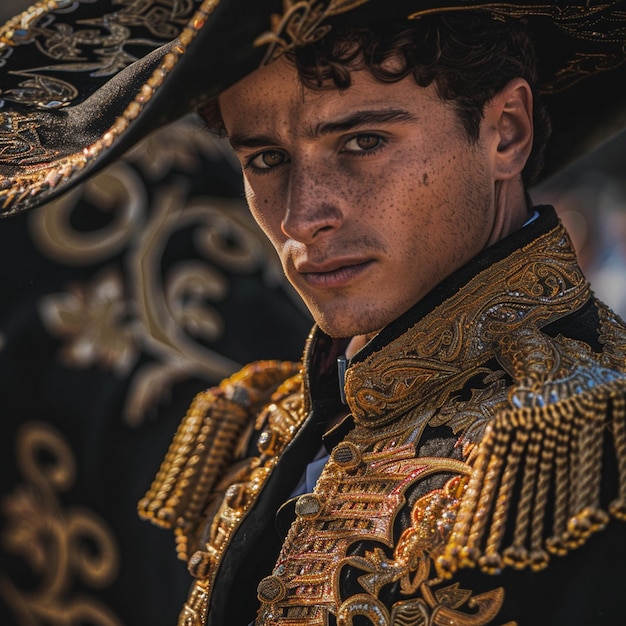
(468, 56)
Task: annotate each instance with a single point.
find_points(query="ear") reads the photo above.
(510, 113)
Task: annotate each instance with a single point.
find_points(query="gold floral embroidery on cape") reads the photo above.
(59, 544)
(112, 318)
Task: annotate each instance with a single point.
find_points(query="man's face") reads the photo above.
(371, 195)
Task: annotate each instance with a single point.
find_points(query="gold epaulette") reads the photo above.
(203, 447)
(535, 486)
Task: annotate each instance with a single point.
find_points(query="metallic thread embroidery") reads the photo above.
(98, 47)
(174, 319)
(528, 420)
(357, 504)
(302, 23)
(563, 397)
(58, 543)
(32, 182)
(452, 343)
(582, 21)
(19, 138)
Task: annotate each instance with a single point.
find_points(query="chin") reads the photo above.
(344, 328)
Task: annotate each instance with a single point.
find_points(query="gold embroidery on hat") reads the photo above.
(41, 91)
(20, 141)
(584, 21)
(97, 47)
(17, 191)
(300, 24)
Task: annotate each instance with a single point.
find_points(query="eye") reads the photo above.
(267, 160)
(363, 142)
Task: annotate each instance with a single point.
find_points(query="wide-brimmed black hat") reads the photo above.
(81, 81)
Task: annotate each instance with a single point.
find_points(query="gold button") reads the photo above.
(308, 506)
(271, 589)
(346, 455)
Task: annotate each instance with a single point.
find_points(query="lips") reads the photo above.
(332, 274)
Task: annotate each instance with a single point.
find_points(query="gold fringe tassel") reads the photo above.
(204, 445)
(534, 467)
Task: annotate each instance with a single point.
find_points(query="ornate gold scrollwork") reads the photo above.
(167, 313)
(60, 544)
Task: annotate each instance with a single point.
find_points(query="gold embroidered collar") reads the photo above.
(532, 286)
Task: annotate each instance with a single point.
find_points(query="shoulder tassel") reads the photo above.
(535, 485)
(204, 445)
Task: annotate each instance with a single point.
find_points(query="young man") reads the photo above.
(452, 449)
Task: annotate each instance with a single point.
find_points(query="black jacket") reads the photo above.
(479, 477)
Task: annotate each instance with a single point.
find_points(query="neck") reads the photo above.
(356, 343)
(511, 209)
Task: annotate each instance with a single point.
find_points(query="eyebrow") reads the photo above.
(238, 141)
(352, 121)
(358, 119)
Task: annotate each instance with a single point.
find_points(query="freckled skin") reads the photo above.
(366, 217)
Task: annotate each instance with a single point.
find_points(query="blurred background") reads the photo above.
(590, 197)
(118, 303)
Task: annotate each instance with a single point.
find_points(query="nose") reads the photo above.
(313, 207)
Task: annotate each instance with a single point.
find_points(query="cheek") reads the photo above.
(251, 197)
(265, 212)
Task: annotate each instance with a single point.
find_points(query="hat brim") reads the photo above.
(85, 81)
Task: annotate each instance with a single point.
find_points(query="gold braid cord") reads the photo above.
(204, 446)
